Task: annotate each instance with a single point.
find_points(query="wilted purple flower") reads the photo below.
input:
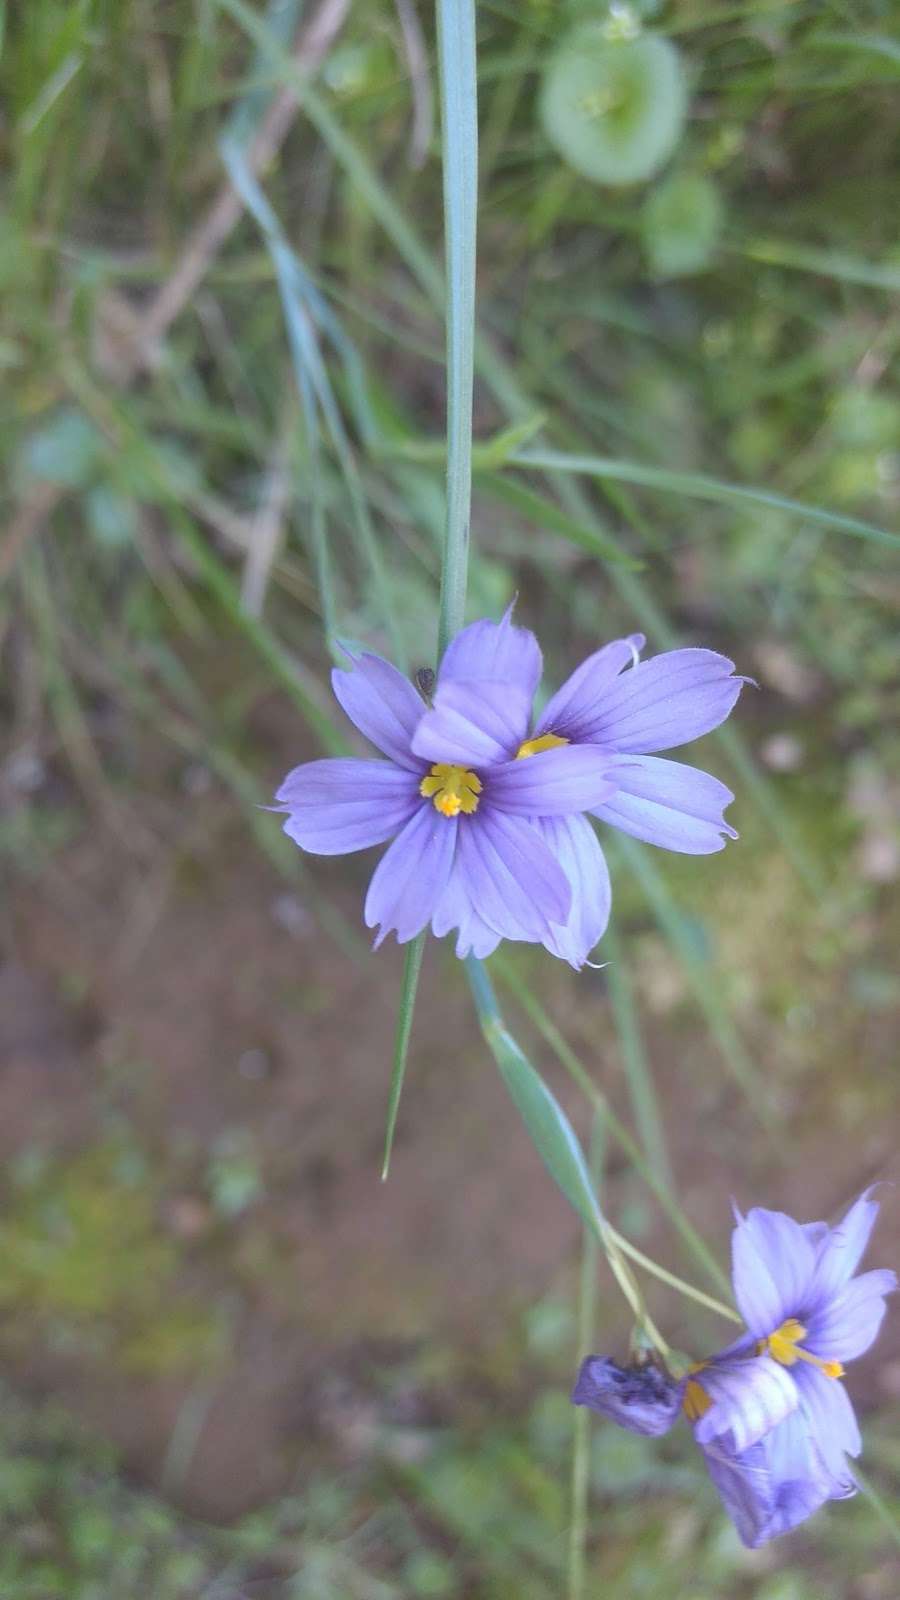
(770, 1413)
(491, 833)
(643, 1399)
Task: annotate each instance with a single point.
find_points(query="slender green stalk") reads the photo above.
(581, 1438)
(459, 129)
(879, 1505)
(671, 1278)
(459, 125)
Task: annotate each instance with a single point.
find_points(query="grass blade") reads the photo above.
(696, 486)
(412, 968)
(745, 1073)
(311, 373)
(644, 1103)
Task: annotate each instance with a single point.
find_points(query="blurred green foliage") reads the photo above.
(478, 1513)
(87, 1262)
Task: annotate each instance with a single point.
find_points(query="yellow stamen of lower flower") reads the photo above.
(451, 789)
(696, 1402)
(533, 747)
(784, 1346)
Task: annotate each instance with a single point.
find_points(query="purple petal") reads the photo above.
(772, 1263)
(341, 805)
(749, 1399)
(674, 697)
(796, 1461)
(474, 723)
(576, 847)
(572, 711)
(382, 704)
(832, 1423)
(744, 1486)
(642, 1399)
(845, 1326)
(497, 650)
(774, 1486)
(510, 877)
(842, 1248)
(555, 783)
(455, 910)
(410, 877)
(669, 804)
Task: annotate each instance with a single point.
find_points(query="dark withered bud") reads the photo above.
(643, 1399)
(425, 682)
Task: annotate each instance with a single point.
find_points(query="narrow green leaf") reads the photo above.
(550, 1129)
(702, 980)
(645, 1105)
(822, 263)
(698, 487)
(313, 384)
(412, 968)
(538, 509)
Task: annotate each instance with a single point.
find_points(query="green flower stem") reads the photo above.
(459, 127)
(671, 1278)
(581, 1437)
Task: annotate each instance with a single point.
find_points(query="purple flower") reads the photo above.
(487, 814)
(774, 1407)
(770, 1414)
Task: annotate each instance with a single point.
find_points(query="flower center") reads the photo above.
(451, 789)
(533, 747)
(784, 1346)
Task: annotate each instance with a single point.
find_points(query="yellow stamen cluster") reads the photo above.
(451, 789)
(784, 1346)
(533, 747)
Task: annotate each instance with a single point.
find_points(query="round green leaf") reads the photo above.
(614, 108)
(681, 224)
(66, 450)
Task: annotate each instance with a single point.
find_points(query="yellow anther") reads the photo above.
(533, 747)
(696, 1401)
(451, 789)
(784, 1345)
